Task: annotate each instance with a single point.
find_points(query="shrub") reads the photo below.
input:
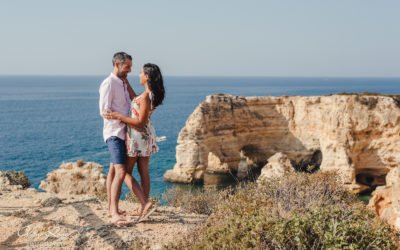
(194, 200)
(300, 211)
(17, 178)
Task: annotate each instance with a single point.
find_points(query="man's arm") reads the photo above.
(131, 92)
(105, 98)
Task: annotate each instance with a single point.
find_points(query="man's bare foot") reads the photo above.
(117, 220)
(120, 212)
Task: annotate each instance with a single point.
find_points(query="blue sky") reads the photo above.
(203, 38)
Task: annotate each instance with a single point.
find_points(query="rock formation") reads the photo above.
(278, 165)
(385, 200)
(358, 135)
(75, 178)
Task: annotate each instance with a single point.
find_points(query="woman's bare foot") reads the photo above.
(136, 212)
(148, 209)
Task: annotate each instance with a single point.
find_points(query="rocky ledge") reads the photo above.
(68, 217)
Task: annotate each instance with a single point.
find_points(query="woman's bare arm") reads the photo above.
(144, 113)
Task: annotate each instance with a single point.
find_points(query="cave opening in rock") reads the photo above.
(369, 179)
(309, 164)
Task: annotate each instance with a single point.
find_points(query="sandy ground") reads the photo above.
(36, 220)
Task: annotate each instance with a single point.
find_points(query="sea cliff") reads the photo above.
(356, 135)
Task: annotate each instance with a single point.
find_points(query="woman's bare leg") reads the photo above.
(131, 182)
(143, 167)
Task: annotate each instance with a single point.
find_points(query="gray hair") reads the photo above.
(121, 57)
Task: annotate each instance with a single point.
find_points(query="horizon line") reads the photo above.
(197, 76)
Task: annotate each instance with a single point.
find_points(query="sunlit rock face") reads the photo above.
(355, 134)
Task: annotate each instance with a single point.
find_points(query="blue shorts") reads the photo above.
(117, 149)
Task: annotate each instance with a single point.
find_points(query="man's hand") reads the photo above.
(112, 115)
(132, 93)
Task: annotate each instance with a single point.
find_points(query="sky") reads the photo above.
(289, 38)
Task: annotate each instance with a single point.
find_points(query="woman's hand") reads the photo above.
(113, 115)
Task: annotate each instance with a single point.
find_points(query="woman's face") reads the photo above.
(143, 77)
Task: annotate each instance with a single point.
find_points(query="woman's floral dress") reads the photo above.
(140, 142)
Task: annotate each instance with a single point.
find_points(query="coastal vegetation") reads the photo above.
(299, 211)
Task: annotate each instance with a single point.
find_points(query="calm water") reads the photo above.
(46, 121)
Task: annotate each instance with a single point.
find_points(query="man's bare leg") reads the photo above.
(115, 186)
(110, 177)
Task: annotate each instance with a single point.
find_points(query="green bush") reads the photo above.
(300, 211)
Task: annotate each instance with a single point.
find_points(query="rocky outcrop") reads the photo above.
(40, 220)
(358, 135)
(385, 200)
(277, 167)
(75, 178)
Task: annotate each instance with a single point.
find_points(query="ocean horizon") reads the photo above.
(48, 120)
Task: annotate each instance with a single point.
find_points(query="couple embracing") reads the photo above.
(128, 132)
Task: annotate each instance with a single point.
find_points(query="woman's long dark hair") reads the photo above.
(155, 82)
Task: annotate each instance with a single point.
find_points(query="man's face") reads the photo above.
(124, 68)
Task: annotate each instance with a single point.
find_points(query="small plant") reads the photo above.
(78, 176)
(80, 163)
(53, 178)
(101, 195)
(370, 102)
(195, 200)
(18, 178)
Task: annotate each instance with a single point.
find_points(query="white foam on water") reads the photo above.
(161, 138)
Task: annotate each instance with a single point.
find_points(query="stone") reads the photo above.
(77, 178)
(385, 200)
(51, 202)
(277, 167)
(216, 165)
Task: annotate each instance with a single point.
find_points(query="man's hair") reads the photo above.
(121, 57)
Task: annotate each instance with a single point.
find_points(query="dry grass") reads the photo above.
(194, 200)
(301, 211)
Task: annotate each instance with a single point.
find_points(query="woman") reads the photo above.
(141, 137)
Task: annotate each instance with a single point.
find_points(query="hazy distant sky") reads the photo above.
(203, 38)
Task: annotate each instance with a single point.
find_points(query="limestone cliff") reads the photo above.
(355, 134)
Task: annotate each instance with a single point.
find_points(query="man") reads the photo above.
(115, 95)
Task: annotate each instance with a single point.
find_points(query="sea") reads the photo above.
(48, 120)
